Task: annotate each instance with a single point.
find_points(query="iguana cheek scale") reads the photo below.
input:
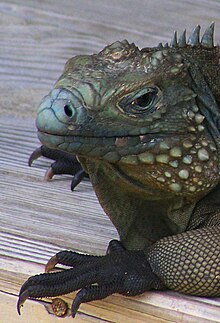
(144, 125)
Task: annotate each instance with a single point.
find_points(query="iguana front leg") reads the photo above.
(187, 262)
(120, 271)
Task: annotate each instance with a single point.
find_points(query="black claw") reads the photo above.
(35, 155)
(52, 262)
(78, 178)
(49, 174)
(65, 163)
(21, 300)
(75, 305)
(93, 293)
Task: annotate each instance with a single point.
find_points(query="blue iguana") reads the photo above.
(145, 126)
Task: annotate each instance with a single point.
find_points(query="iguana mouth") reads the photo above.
(113, 148)
(118, 141)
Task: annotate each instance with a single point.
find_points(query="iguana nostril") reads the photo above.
(69, 111)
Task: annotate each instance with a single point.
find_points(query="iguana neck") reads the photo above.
(159, 213)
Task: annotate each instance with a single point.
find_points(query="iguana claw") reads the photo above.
(119, 271)
(52, 262)
(22, 298)
(64, 164)
(37, 153)
(49, 174)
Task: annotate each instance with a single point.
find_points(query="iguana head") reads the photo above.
(146, 111)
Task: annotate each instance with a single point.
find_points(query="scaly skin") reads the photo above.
(144, 125)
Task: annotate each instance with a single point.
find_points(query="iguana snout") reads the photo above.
(64, 107)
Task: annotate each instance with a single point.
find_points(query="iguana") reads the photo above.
(144, 124)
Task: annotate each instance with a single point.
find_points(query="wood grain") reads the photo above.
(37, 37)
(36, 218)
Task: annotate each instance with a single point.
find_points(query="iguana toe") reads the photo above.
(119, 271)
(65, 163)
(37, 153)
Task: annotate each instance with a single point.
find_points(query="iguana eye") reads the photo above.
(140, 102)
(144, 100)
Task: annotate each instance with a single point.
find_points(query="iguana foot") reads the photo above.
(64, 164)
(119, 271)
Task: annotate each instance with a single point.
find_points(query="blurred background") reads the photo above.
(37, 37)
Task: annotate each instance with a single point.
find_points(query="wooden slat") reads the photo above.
(152, 307)
(35, 313)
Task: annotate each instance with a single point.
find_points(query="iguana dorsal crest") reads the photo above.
(207, 39)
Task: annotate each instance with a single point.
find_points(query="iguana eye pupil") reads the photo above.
(144, 100)
(139, 103)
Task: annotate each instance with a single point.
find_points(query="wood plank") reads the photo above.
(35, 313)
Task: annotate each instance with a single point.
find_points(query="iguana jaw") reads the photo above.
(166, 163)
(111, 149)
